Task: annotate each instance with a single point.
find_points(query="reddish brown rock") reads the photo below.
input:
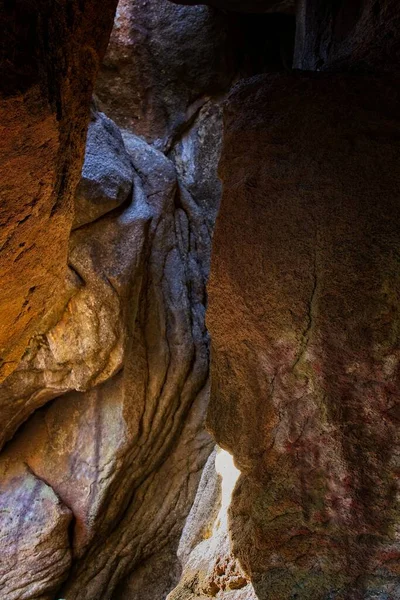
(87, 345)
(49, 58)
(304, 318)
(131, 340)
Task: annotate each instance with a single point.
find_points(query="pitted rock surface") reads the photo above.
(303, 315)
(49, 59)
(34, 525)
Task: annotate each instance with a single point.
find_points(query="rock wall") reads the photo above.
(244, 6)
(303, 315)
(130, 358)
(106, 352)
(162, 65)
(210, 568)
(166, 63)
(104, 415)
(50, 55)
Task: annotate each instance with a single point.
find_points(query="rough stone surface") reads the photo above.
(49, 57)
(154, 578)
(363, 35)
(107, 173)
(35, 552)
(95, 487)
(304, 318)
(196, 156)
(135, 330)
(162, 63)
(87, 345)
(126, 362)
(204, 512)
(165, 374)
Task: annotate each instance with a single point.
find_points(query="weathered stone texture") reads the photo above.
(35, 552)
(163, 389)
(210, 570)
(107, 173)
(96, 486)
(304, 318)
(125, 358)
(196, 156)
(50, 54)
(162, 64)
(87, 344)
(133, 342)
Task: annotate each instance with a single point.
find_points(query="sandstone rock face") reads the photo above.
(304, 316)
(162, 63)
(49, 58)
(87, 345)
(362, 35)
(153, 579)
(162, 391)
(104, 414)
(125, 363)
(132, 344)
